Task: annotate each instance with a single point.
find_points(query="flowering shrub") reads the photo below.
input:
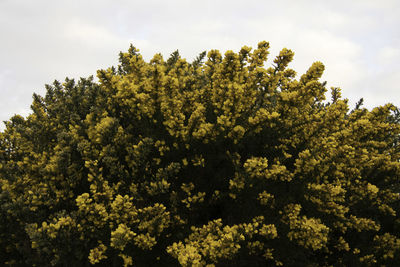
(225, 162)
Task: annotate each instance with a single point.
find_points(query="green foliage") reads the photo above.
(216, 163)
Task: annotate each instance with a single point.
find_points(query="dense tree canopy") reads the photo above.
(220, 162)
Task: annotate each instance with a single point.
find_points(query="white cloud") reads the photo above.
(389, 55)
(78, 30)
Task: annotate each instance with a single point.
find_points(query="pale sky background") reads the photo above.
(43, 40)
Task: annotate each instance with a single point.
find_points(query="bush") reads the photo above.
(215, 163)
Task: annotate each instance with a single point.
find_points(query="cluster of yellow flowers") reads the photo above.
(213, 242)
(97, 254)
(307, 232)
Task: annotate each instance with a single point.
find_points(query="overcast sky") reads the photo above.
(43, 40)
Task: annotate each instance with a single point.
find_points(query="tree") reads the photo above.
(217, 163)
